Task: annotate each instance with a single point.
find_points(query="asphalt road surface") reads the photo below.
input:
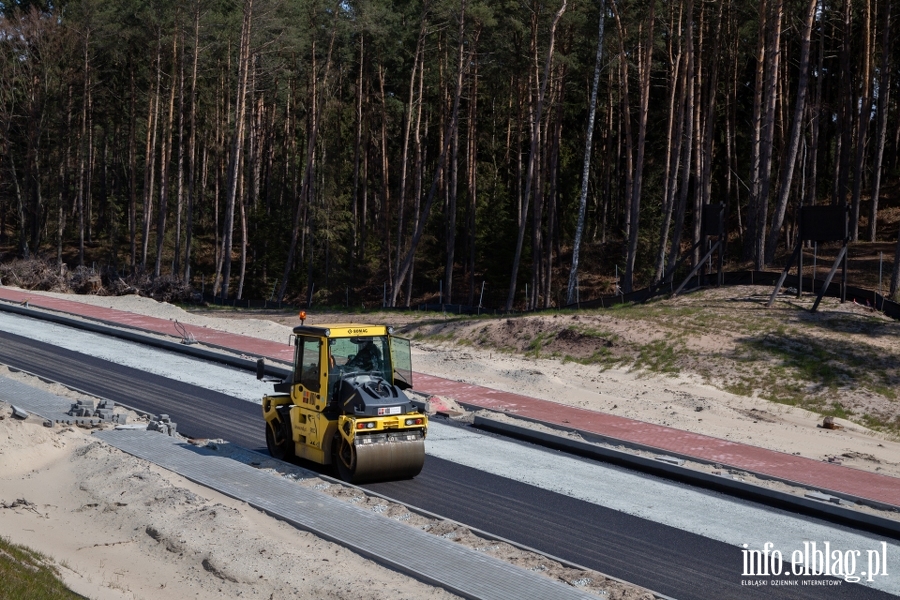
(671, 561)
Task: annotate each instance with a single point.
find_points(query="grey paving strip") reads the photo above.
(422, 555)
(36, 401)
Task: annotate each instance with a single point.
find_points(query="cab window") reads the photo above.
(362, 354)
(306, 371)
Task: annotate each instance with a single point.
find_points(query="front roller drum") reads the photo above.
(378, 461)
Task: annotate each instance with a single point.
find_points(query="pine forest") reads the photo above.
(511, 153)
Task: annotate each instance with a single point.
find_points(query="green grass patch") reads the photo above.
(27, 575)
(809, 361)
(660, 356)
(537, 342)
(596, 333)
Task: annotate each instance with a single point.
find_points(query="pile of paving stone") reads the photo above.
(163, 424)
(89, 412)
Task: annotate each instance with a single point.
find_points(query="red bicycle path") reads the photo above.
(768, 463)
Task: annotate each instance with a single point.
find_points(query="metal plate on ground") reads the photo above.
(424, 556)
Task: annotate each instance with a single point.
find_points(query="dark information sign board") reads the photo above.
(713, 216)
(823, 223)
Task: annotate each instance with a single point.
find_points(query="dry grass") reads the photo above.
(28, 575)
(843, 360)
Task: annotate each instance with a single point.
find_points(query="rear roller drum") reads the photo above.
(281, 451)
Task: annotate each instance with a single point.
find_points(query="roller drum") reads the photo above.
(381, 460)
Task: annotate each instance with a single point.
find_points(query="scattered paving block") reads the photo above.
(82, 408)
(823, 497)
(448, 413)
(167, 427)
(48, 423)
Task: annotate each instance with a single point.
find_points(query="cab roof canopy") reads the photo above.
(341, 330)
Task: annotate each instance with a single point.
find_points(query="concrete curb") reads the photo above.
(831, 512)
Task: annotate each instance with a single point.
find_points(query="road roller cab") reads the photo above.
(344, 404)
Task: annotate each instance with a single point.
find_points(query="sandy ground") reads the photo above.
(118, 527)
(683, 401)
(122, 528)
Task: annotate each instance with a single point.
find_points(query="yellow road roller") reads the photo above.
(344, 404)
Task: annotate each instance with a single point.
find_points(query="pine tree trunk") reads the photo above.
(82, 159)
(237, 145)
(420, 150)
(242, 196)
(132, 170)
(706, 148)
(645, 61)
(884, 99)
(843, 122)
(385, 183)
(150, 155)
(471, 182)
(357, 150)
(586, 163)
(789, 158)
(751, 250)
(674, 127)
(165, 165)
(179, 190)
(815, 125)
(192, 151)
(767, 139)
(439, 169)
(418, 57)
(532, 155)
(862, 117)
(625, 121)
(687, 134)
(310, 157)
